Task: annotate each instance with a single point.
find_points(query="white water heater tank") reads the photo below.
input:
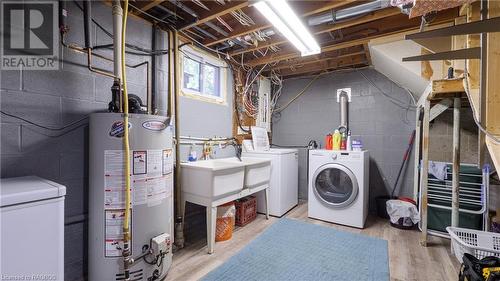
(151, 224)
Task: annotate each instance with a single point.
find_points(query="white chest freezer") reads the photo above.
(284, 184)
(32, 229)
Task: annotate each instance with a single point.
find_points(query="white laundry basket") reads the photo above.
(477, 243)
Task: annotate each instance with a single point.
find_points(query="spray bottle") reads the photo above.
(192, 154)
(349, 140)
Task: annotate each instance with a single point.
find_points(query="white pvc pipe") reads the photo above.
(117, 37)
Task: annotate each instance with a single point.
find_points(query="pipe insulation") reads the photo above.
(87, 14)
(117, 38)
(152, 103)
(333, 16)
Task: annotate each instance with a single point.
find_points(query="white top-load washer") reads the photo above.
(338, 186)
(284, 183)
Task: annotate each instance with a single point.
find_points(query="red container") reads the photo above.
(246, 210)
(328, 142)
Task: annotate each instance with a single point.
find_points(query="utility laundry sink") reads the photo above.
(212, 178)
(257, 170)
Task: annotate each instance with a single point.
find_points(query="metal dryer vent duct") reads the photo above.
(333, 16)
(343, 101)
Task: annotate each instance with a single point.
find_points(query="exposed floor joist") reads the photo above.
(470, 53)
(307, 11)
(146, 6)
(333, 63)
(215, 11)
(317, 59)
(410, 25)
(326, 28)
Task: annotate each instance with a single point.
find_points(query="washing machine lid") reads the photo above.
(335, 185)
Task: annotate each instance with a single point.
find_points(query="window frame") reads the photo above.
(204, 58)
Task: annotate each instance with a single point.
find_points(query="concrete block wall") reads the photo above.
(441, 137)
(57, 98)
(383, 127)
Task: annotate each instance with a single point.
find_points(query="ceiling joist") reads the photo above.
(312, 8)
(146, 6)
(326, 65)
(391, 26)
(357, 50)
(380, 14)
(215, 10)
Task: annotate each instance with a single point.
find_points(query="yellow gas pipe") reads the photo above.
(126, 147)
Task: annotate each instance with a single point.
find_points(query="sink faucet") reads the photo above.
(207, 151)
(237, 149)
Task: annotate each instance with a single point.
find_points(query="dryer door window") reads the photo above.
(335, 185)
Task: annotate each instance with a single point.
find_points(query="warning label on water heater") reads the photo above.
(150, 179)
(150, 184)
(114, 232)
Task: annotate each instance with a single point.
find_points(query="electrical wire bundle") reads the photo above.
(133, 49)
(277, 85)
(242, 18)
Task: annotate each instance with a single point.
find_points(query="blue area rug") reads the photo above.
(295, 250)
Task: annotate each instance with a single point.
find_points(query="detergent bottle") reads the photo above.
(343, 141)
(328, 142)
(336, 139)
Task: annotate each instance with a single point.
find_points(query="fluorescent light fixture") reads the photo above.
(281, 15)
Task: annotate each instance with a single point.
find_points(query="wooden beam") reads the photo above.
(492, 98)
(147, 5)
(455, 180)
(446, 86)
(215, 11)
(367, 53)
(318, 58)
(390, 25)
(289, 55)
(439, 108)
(470, 53)
(424, 176)
(380, 14)
(306, 11)
(316, 7)
(326, 65)
(488, 25)
(426, 71)
(316, 61)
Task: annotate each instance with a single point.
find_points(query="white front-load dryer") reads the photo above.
(338, 186)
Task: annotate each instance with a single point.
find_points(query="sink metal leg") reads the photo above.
(266, 195)
(211, 222)
(183, 210)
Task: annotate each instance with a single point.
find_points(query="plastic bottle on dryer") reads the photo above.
(349, 141)
(343, 141)
(336, 139)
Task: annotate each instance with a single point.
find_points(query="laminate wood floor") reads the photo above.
(407, 259)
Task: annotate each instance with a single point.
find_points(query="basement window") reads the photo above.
(203, 76)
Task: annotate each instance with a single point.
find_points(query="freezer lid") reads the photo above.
(276, 151)
(28, 189)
